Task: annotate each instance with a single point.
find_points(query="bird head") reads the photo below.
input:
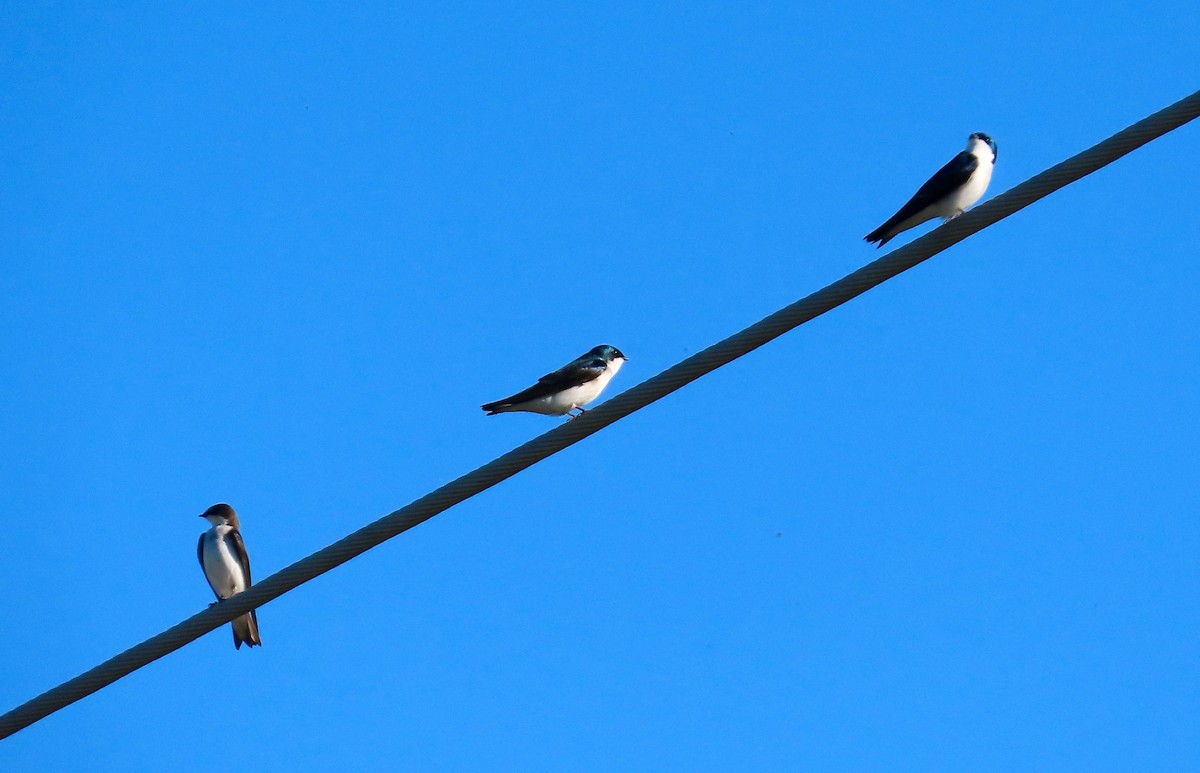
(220, 514)
(988, 141)
(607, 353)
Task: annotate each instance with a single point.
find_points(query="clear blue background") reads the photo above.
(278, 256)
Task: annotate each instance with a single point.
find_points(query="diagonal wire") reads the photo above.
(569, 433)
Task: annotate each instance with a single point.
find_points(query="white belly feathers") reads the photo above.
(222, 567)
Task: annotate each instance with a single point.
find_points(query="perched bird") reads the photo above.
(571, 387)
(226, 565)
(956, 186)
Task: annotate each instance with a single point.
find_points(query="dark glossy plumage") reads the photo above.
(947, 179)
(576, 372)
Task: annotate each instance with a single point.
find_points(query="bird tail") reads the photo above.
(497, 407)
(881, 234)
(245, 629)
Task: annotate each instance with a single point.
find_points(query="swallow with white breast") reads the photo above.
(226, 566)
(947, 194)
(567, 389)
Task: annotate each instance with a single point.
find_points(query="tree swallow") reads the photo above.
(571, 387)
(956, 186)
(227, 567)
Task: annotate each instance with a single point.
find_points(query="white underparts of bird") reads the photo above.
(567, 389)
(947, 194)
(226, 566)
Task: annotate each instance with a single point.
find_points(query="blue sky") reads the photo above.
(278, 256)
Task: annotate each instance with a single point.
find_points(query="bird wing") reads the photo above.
(574, 373)
(200, 555)
(239, 548)
(949, 178)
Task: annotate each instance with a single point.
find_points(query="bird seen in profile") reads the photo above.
(226, 566)
(947, 194)
(569, 388)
